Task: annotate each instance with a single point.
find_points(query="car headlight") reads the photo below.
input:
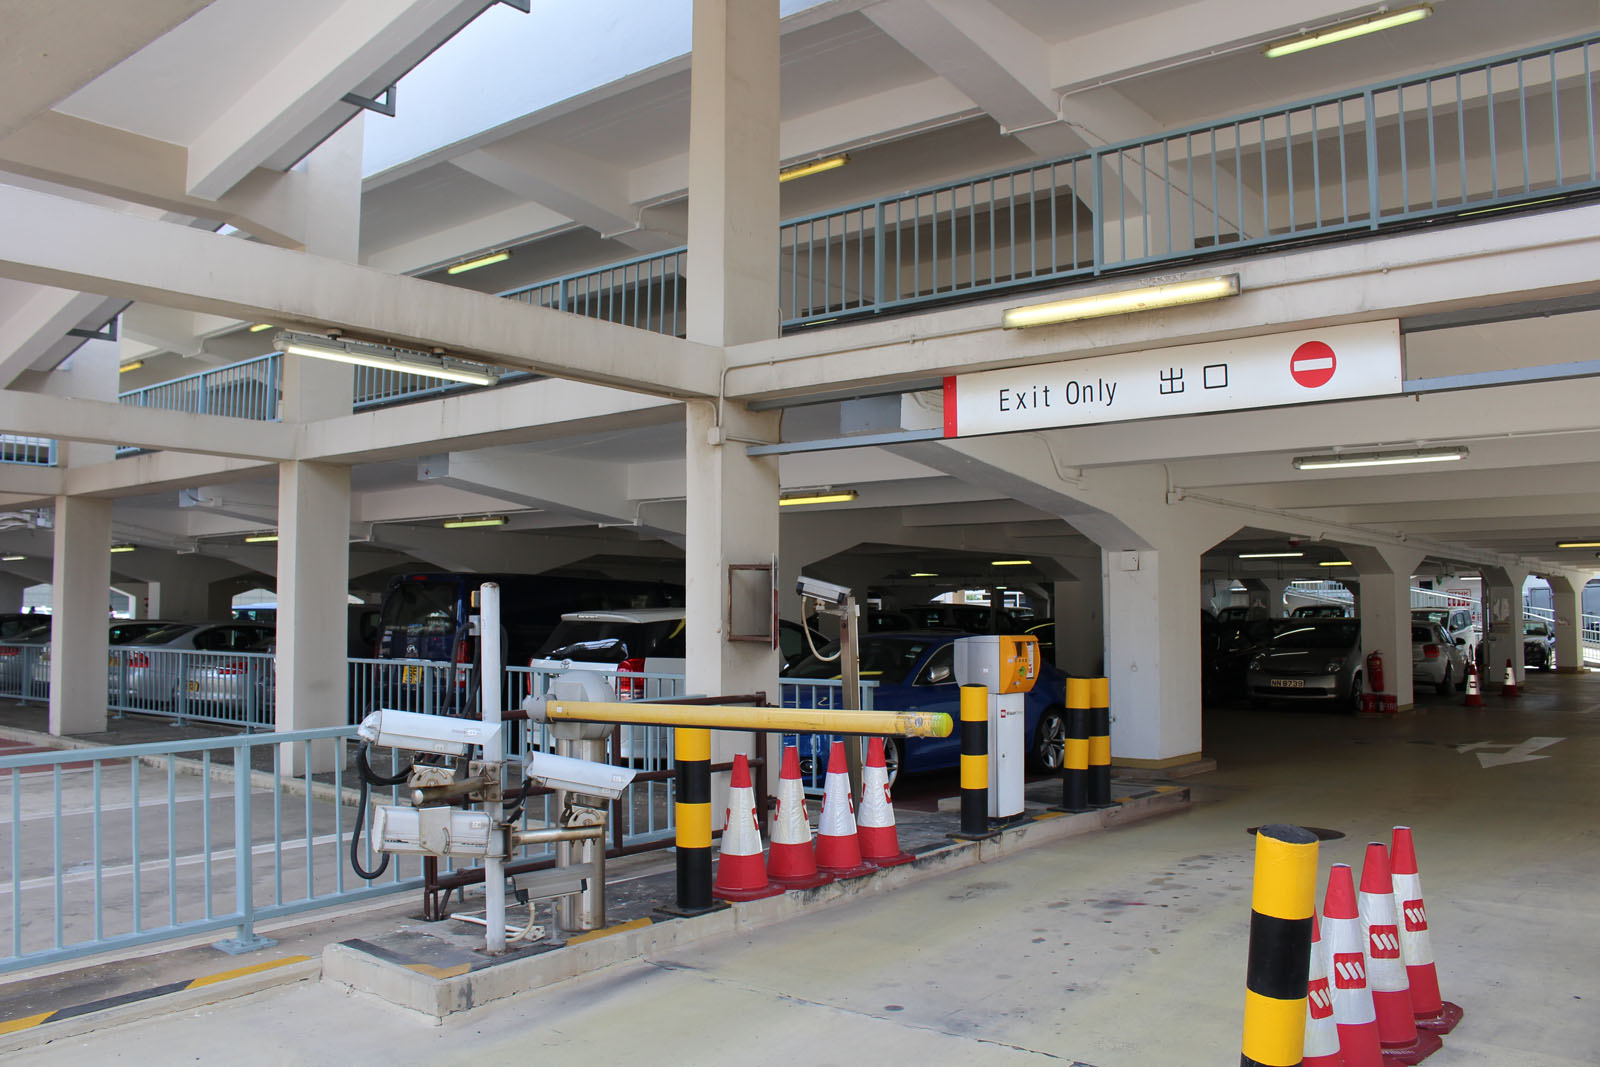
(1258, 661)
(1334, 666)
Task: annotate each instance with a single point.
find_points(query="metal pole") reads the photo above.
(850, 682)
(494, 874)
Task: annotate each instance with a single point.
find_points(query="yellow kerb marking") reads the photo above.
(620, 928)
(439, 972)
(25, 1023)
(240, 972)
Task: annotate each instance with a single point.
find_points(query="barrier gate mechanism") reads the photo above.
(1008, 667)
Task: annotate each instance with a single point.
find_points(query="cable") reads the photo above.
(369, 777)
(806, 626)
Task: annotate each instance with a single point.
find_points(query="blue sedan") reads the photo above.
(915, 671)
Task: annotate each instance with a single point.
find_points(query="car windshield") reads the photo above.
(1431, 616)
(1536, 628)
(1421, 635)
(421, 607)
(614, 640)
(128, 633)
(165, 635)
(882, 660)
(1319, 635)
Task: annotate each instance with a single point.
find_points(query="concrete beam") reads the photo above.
(36, 328)
(99, 422)
(166, 264)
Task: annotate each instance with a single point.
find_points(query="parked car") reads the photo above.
(153, 673)
(1436, 659)
(1319, 611)
(1234, 613)
(1538, 644)
(15, 622)
(1226, 651)
(968, 618)
(120, 632)
(1309, 660)
(19, 657)
(1457, 622)
(239, 685)
(915, 671)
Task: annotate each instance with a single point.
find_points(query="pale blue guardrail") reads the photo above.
(813, 748)
(112, 848)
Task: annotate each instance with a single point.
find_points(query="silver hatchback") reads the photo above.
(1316, 660)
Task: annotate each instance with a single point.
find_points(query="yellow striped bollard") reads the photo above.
(1278, 972)
(692, 753)
(1100, 743)
(1075, 757)
(974, 762)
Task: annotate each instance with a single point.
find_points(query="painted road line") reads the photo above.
(620, 928)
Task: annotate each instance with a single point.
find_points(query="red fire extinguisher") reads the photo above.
(1375, 671)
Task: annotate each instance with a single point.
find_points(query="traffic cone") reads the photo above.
(1353, 1011)
(741, 875)
(1432, 1011)
(880, 843)
(1322, 1033)
(793, 861)
(1474, 692)
(1386, 974)
(838, 847)
(1510, 688)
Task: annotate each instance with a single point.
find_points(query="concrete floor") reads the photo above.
(1124, 949)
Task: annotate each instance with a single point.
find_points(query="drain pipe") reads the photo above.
(494, 754)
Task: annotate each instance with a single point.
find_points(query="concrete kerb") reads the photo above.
(436, 996)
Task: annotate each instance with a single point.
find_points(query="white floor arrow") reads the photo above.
(1523, 753)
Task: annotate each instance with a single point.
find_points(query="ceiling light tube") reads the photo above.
(481, 261)
(472, 523)
(1336, 563)
(1011, 563)
(133, 366)
(260, 539)
(384, 357)
(123, 548)
(816, 166)
(819, 496)
(914, 574)
(1384, 20)
(1578, 544)
(1271, 555)
(258, 327)
(12, 559)
(1123, 302)
(1378, 459)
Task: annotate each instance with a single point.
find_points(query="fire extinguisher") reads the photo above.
(1375, 671)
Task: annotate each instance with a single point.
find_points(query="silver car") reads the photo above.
(153, 674)
(120, 632)
(1436, 659)
(1310, 660)
(237, 686)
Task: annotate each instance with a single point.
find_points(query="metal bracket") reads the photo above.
(383, 103)
(108, 332)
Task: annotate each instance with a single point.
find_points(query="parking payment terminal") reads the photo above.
(1009, 667)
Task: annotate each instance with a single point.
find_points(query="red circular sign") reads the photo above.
(1312, 364)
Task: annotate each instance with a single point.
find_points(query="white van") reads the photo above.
(1457, 622)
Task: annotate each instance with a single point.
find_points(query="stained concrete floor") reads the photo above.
(1119, 949)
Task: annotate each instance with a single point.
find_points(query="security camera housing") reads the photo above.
(578, 775)
(817, 589)
(440, 734)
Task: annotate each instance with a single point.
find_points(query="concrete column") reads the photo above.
(12, 587)
(1273, 590)
(313, 574)
(1080, 623)
(1385, 613)
(1502, 623)
(1567, 601)
(732, 499)
(80, 580)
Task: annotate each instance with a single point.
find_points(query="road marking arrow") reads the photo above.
(1523, 753)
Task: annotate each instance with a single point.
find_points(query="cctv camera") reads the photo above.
(578, 775)
(409, 730)
(817, 589)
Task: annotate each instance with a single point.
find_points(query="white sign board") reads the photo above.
(1302, 367)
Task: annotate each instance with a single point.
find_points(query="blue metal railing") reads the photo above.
(245, 390)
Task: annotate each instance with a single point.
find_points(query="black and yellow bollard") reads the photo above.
(1281, 905)
(974, 763)
(692, 752)
(1100, 743)
(1075, 757)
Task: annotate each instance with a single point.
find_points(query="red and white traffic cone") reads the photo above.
(1510, 688)
(1474, 691)
(1432, 1011)
(741, 874)
(880, 842)
(1386, 974)
(1322, 1033)
(838, 847)
(1353, 1011)
(793, 862)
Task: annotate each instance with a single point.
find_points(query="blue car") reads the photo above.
(915, 671)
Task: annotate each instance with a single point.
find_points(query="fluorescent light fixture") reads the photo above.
(260, 539)
(386, 357)
(122, 548)
(1336, 563)
(1578, 544)
(12, 559)
(914, 574)
(1271, 555)
(1383, 20)
(1379, 459)
(258, 327)
(818, 496)
(472, 523)
(481, 261)
(1123, 302)
(816, 166)
(1011, 563)
(132, 366)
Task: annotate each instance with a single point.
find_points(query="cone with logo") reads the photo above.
(1322, 1033)
(1432, 1011)
(1474, 690)
(1353, 1013)
(1386, 973)
(1510, 688)
(793, 860)
(838, 846)
(741, 874)
(880, 842)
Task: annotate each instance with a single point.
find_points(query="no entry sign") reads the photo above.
(1300, 367)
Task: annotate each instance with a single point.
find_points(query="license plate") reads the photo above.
(410, 675)
(1287, 683)
(194, 687)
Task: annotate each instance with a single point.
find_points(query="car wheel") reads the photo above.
(1447, 684)
(1355, 693)
(891, 758)
(1049, 740)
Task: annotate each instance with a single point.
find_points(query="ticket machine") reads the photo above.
(1008, 666)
